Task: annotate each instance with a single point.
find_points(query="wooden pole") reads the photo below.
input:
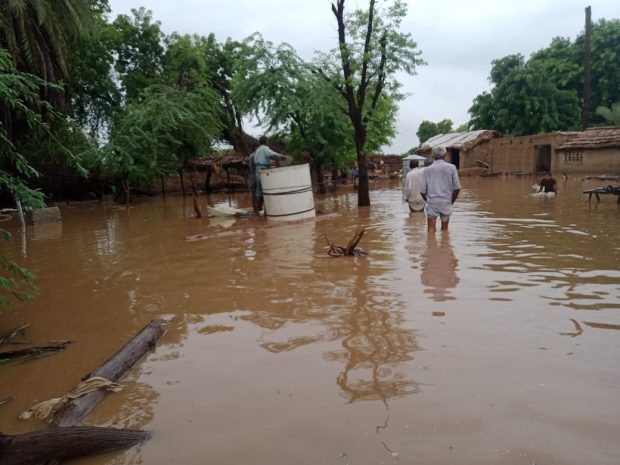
(587, 71)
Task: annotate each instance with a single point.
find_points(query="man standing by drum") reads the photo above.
(262, 161)
(440, 188)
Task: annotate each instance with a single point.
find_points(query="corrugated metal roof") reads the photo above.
(453, 139)
(414, 157)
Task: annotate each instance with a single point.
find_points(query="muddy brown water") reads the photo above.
(496, 343)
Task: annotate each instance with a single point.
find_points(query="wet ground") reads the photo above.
(496, 343)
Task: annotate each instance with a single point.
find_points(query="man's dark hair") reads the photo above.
(306, 149)
(413, 164)
(262, 140)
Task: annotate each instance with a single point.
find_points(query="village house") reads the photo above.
(594, 151)
(464, 149)
(527, 154)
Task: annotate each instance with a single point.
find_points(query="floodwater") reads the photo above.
(497, 343)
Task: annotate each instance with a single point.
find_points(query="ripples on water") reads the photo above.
(264, 323)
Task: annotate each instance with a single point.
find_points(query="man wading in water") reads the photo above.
(440, 188)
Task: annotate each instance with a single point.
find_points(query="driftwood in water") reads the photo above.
(11, 334)
(33, 352)
(59, 444)
(351, 248)
(112, 370)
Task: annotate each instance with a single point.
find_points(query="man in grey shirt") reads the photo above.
(440, 188)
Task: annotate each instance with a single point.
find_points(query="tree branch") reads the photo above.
(338, 10)
(361, 91)
(338, 88)
(381, 79)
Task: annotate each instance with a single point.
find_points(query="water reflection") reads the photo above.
(374, 346)
(439, 268)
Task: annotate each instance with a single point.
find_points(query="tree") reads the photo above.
(160, 132)
(94, 94)
(428, 129)
(137, 44)
(275, 86)
(19, 94)
(562, 64)
(610, 115)
(371, 50)
(38, 34)
(523, 101)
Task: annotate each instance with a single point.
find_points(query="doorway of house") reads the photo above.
(543, 159)
(455, 158)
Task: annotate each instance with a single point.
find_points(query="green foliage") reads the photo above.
(137, 44)
(19, 97)
(545, 93)
(15, 280)
(160, 131)
(184, 63)
(605, 73)
(428, 129)
(38, 34)
(523, 101)
(371, 51)
(610, 115)
(95, 97)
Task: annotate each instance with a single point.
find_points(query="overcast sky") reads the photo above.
(458, 40)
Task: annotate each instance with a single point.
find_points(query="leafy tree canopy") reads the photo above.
(159, 132)
(545, 93)
(523, 101)
(428, 129)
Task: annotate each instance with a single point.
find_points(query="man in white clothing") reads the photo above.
(440, 188)
(411, 189)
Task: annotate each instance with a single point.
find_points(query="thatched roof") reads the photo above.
(463, 141)
(607, 137)
(230, 160)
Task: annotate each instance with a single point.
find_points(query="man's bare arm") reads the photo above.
(455, 194)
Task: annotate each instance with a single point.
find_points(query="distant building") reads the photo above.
(527, 154)
(593, 151)
(463, 148)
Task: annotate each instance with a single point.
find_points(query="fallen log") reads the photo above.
(59, 444)
(33, 352)
(112, 370)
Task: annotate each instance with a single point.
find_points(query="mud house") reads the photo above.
(464, 149)
(593, 151)
(527, 154)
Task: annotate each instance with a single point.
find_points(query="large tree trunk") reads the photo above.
(59, 444)
(363, 190)
(112, 369)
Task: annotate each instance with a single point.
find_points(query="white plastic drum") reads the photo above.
(288, 193)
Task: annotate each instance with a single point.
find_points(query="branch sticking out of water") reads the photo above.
(351, 249)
